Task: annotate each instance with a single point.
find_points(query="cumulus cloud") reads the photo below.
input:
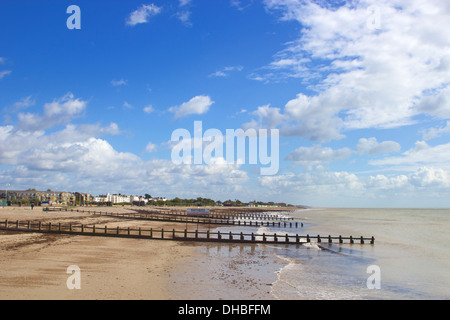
(143, 14)
(151, 147)
(197, 105)
(419, 188)
(148, 109)
(60, 111)
(363, 77)
(421, 155)
(316, 155)
(371, 146)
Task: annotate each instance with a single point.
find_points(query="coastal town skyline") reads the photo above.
(54, 197)
(356, 93)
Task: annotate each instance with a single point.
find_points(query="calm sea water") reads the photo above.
(411, 251)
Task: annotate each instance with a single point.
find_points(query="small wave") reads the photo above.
(312, 245)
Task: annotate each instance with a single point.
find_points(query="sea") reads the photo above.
(409, 260)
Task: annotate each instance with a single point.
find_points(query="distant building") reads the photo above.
(34, 196)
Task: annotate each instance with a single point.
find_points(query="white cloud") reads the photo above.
(142, 14)
(60, 111)
(148, 109)
(184, 2)
(150, 147)
(421, 155)
(225, 72)
(118, 83)
(436, 132)
(4, 73)
(127, 105)
(420, 188)
(363, 78)
(316, 155)
(184, 17)
(197, 105)
(431, 177)
(23, 103)
(371, 146)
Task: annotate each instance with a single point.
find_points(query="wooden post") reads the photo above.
(128, 230)
(351, 240)
(185, 233)
(264, 237)
(219, 236)
(28, 227)
(207, 234)
(340, 239)
(173, 233)
(162, 233)
(49, 226)
(373, 240)
(93, 228)
(307, 238)
(329, 239)
(59, 227)
(106, 229)
(253, 237)
(287, 238)
(140, 231)
(231, 236)
(70, 227)
(17, 224)
(275, 237)
(6, 223)
(242, 236)
(297, 238)
(362, 240)
(318, 239)
(38, 224)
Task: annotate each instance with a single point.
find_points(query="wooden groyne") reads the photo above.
(179, 213)
(203, 220)
(240, 216)
(161, 216)
(174, 235)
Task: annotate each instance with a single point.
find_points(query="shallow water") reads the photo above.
(410, 250)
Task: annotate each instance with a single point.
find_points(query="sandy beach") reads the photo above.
(34, 266)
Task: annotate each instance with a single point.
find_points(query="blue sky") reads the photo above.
(359, 92)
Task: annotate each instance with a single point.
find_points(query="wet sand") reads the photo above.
(34, 266)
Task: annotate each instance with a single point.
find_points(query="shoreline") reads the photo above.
(34, 266)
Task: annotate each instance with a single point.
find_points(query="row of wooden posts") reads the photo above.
(185, 235)
(151, 216)
(253, 216)
(202, 220)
